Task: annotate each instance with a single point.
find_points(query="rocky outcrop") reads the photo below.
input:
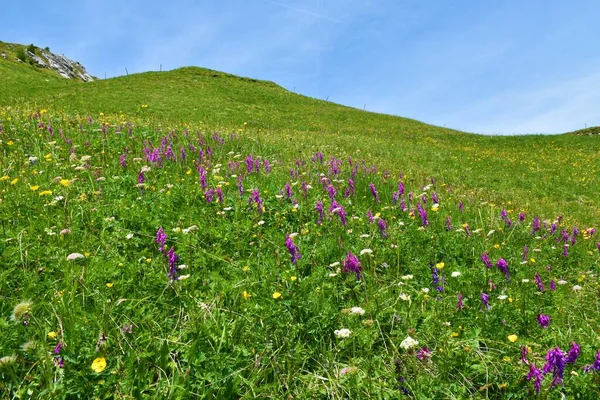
(65, 67)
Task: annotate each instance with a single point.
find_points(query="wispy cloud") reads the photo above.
(303, 11)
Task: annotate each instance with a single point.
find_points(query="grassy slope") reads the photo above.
(549, 175)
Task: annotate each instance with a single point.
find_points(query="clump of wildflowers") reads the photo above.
(292, 248)
(352, 265)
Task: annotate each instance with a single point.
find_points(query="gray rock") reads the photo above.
(3, 55)
(66, 68)
(37, 59)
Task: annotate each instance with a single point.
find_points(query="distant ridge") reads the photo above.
(592, 130)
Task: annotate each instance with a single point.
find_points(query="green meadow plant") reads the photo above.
(143, 260)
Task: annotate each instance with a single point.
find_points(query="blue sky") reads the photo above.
(494, 67)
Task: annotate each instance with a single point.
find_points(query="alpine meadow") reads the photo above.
(195, 234)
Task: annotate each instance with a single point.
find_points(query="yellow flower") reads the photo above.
(86, 254)
(440, 265)
(246, 295)
(293, 278)
(109, 285)
(496, 246)
(99, 364)
(52, 335)
(246, 268)
(14, 181)
(276, 295)
(46, 193)
(34, 188)
(506, 359)
(10, 143)
(454, 334)
(148, 260)
(65, 182)
(513, 338)
(5, 178)
(532, 260)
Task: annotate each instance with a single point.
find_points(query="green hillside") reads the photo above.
(546, 174)
(193, 234)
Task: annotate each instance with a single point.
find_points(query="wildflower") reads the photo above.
(576, 288)
(58, 348)
(292, 248)
(406, 277)
(512, 338)
(423, 290)
(538, 281)
(172, 258)
(424, 353)
(366, 251)
(404, 297)
(74, 256)
(161, 239)
(357, 311)
(486, 260)
(535, 374)
(382, 227)
(109, 285)
(448, 224)
(408, 343)
(485, 299)
(246, 295)
(552, 285)
(276, 295)
(555, 363)
(52, 335)
(342, 333)
(7, 360)
(595, 366)
(46, 193)
(573, 353)
(99, 364)
(351, 264)
(524, 352)
(374, 192)
(347, 370)
(21, 310)
(543, 320)
(503, 267)
(459, 303)
(455, 274)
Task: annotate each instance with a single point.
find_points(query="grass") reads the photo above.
(93, 305)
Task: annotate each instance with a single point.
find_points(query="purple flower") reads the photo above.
(292, 248)
(555, 363)
(351, 264)
(319, 208)
(58, 348)
(486, 260)
(424, 353)
(595, 366)
(448, 224)
(485, 299)
(565, 251)
(459, 302)
(552, 285)
(543, 320)
(240, 185)
(288, 190)
(255, 198)
(524, 353)
(331, 192)
(382, 227)
(461, 207)
(535, 374)
(374, 192)
(521, 217)
(525, 253)
(573, 353)
(503, 267)
(351, 186)
(60, 362)
(435, 198)
(535, 225)
(370, 216)
(161, 239)
(172, 258)
(209, 195)
(220, 195)
(538, 281)
(422, 214)
(267, 165)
